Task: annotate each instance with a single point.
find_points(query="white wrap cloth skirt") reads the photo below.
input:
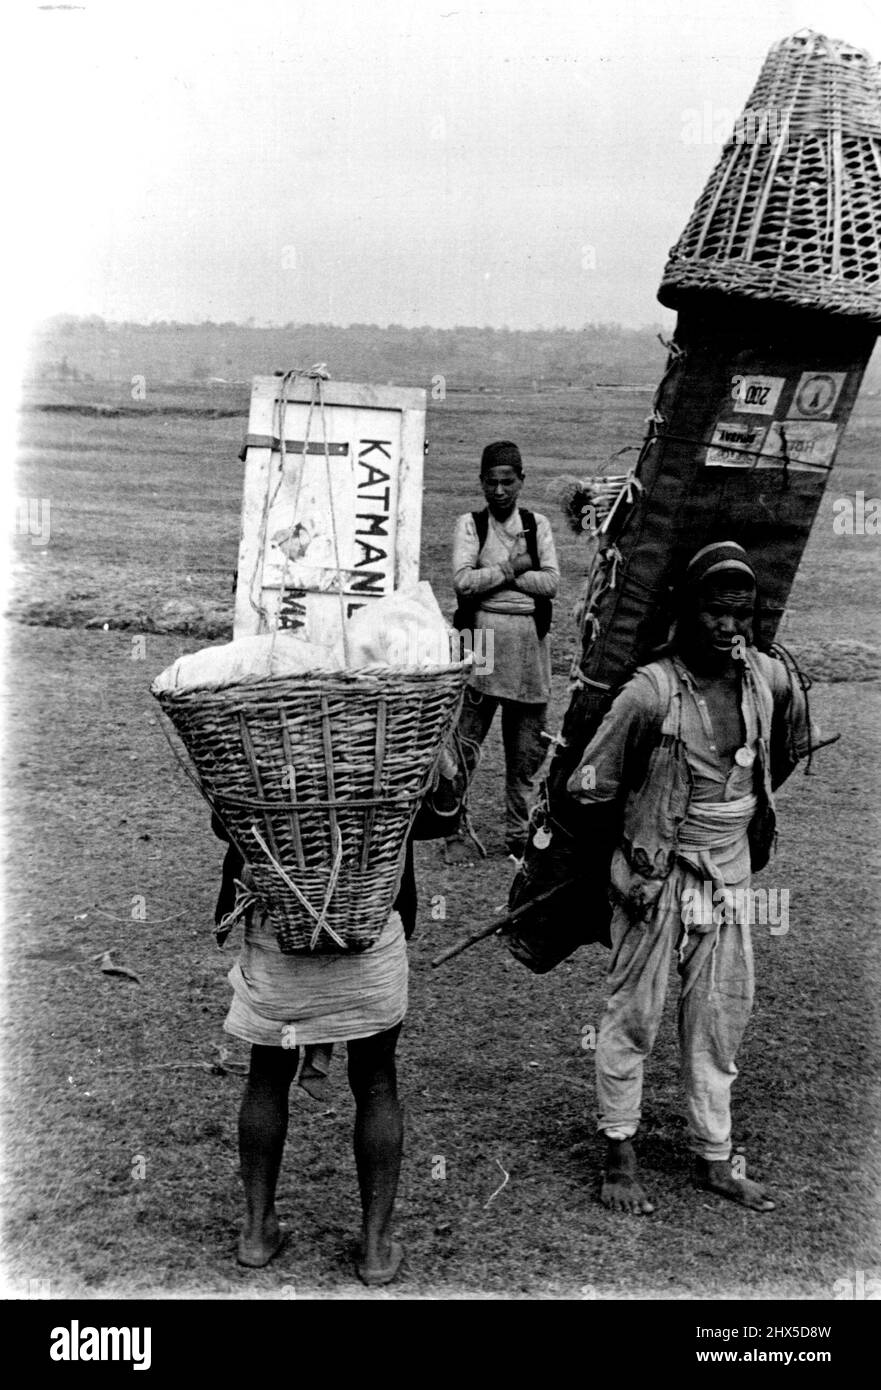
(282, 1000)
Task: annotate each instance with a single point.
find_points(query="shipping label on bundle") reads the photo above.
(735, 444)
(332, 520)
(801, 444)
(816, 395)
(756, 395)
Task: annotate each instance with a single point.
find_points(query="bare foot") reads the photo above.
(316, 1085)
(716, 1176)
(382, 1266)
(457, 851)
(620, 1190)
(256, 1248)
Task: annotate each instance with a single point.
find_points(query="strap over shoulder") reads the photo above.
(530, 534)
(481, 525)
(663, 676)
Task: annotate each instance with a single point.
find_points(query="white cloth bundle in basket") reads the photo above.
(405, 628)
(246, 658)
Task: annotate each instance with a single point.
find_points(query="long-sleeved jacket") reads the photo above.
(642, 762)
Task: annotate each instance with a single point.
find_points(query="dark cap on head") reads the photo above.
(501, 454)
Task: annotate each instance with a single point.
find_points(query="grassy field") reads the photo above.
(120, 1159)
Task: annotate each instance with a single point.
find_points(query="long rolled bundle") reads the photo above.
(777, 280)
(777, 283)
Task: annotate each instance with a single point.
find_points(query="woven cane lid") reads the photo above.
(792, 210)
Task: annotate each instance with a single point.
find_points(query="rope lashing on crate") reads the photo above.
(655, 418)
(782, 460)
(784, 449)
(319, 918)
(317, 375)
(268, 500)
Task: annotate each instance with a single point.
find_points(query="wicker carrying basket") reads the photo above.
(327, 769)
(792, 211)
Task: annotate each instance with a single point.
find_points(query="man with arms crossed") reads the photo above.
(505, 574)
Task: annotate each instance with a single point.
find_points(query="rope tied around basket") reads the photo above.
(319, 918)
(245, 901)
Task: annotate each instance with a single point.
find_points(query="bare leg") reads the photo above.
(378, 1144)
(621, 1190)
(263, 1124)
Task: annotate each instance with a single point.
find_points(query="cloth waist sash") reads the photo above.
(713, 841)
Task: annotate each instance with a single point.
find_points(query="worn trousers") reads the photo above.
(717, 985)
(525, 750)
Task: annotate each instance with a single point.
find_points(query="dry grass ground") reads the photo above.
(109, 1078)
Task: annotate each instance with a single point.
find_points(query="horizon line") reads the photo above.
(96, 319)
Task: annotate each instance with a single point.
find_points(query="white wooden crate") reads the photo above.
(374, 460)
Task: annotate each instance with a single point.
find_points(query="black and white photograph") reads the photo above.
(442, 664)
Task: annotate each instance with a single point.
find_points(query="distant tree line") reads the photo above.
(453, 359)
(461, 358)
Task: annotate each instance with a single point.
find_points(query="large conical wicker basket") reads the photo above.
(318, 778)
(792, 211)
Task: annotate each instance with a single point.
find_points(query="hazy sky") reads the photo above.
(467, 163)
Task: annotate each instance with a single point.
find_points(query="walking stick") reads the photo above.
(480, 933)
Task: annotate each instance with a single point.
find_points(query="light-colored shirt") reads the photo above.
(477, 569)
